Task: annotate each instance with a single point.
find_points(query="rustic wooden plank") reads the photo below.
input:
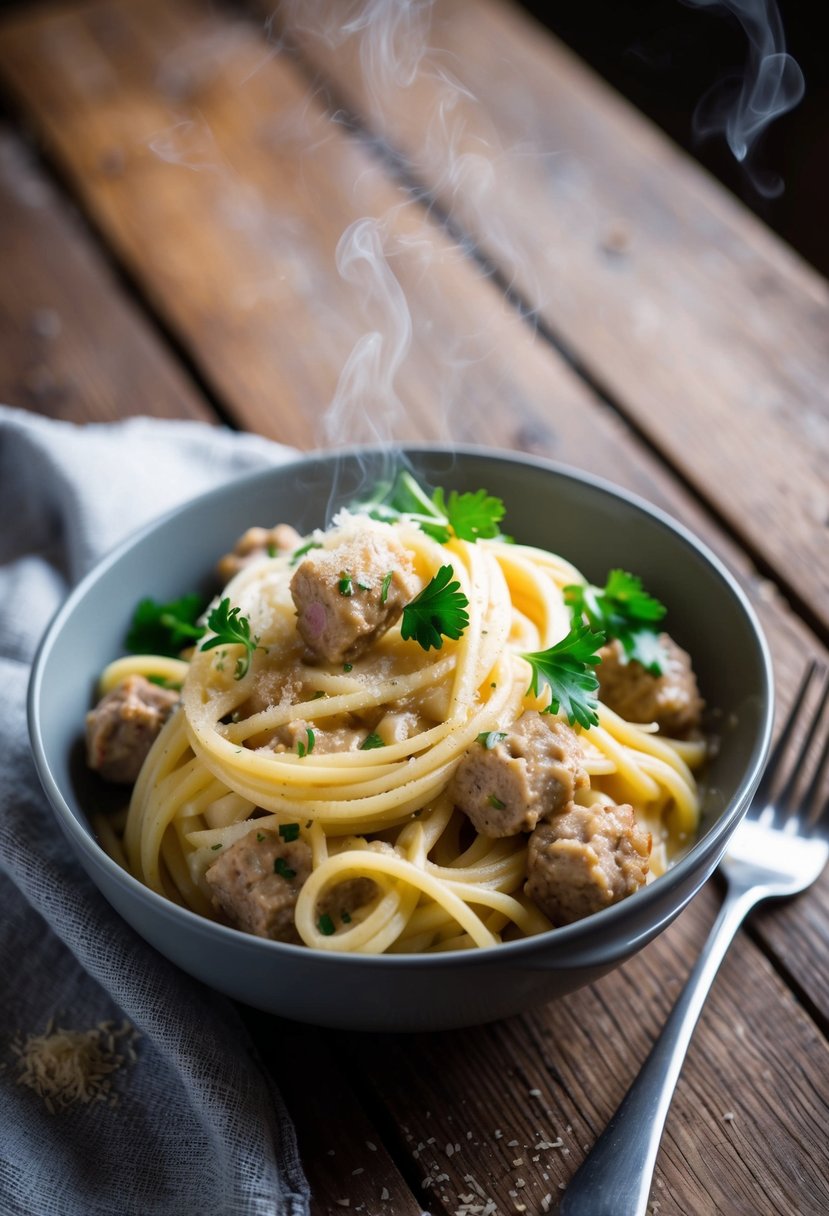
(346, 1163)
(72, 343)
(709, 332)
(237, 251)
(484, 1110)
(103, 80)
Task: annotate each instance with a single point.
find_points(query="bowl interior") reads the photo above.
(592, 525)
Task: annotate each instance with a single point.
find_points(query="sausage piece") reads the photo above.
(256, 881)
(671, 700)
(257, 542)
(528, 775)
(348, 596)
(585, 859)
(123, 726)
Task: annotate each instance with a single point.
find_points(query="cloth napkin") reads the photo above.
(199, 1129)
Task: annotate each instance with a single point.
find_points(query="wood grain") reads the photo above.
(72, 343)
(520, 1100)
(347, 1165)
(225, 191)
(706, 330)
(267, 195)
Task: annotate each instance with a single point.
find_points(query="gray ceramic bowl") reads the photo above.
(594, 525)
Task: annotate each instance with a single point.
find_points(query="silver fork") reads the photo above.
(779, 849)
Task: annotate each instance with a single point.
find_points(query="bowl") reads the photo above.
(593, 524)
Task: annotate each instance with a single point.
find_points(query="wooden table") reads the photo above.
(174, 182)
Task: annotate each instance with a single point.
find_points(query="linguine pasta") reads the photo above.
(355, 759)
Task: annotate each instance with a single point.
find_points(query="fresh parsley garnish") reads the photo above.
(230, 628)
(165, 628)
(489, 738)
(495, 801)
(371, 741)
(281, 867)
(470, 516)
(567, 670)
(622, 609)
(384, 588)
(214, 847)
(346, 584)
(325, 925)
(289, 832)
(438, 611)
(305, 749)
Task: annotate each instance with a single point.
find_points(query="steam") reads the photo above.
(771, 85)
(366, 394)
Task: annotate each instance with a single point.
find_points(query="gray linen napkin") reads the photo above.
(198, 1129)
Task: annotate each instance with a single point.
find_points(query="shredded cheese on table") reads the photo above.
(64, 1067)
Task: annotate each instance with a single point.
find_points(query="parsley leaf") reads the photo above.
(471, 516)
(346, 584)
(231, 629)
(281, 867)
(566, 669)
(439, 609)
(165, 628)
(325, 925)
(289, 831)
(622, 609)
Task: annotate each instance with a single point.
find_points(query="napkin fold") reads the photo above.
(192, 1125)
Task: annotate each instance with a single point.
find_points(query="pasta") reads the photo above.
(350, 763)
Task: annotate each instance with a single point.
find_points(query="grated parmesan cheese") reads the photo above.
(67, 1066)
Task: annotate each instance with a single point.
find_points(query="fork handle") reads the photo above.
(615, 1177)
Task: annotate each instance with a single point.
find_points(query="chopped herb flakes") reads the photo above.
(260, 836)
(371, 741)
(346, 584)
(347, 667)
(345, 917)
(325, 925)
(305, 749)
(384, 588)
(489, 738)
(495, 801)
(214, 847)
(303, 549)
(281, 867)
(289, 831)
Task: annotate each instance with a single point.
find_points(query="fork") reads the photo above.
(778, 849)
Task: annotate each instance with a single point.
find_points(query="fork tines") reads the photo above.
(795, 794)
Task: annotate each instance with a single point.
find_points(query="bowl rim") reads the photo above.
(591, 930)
